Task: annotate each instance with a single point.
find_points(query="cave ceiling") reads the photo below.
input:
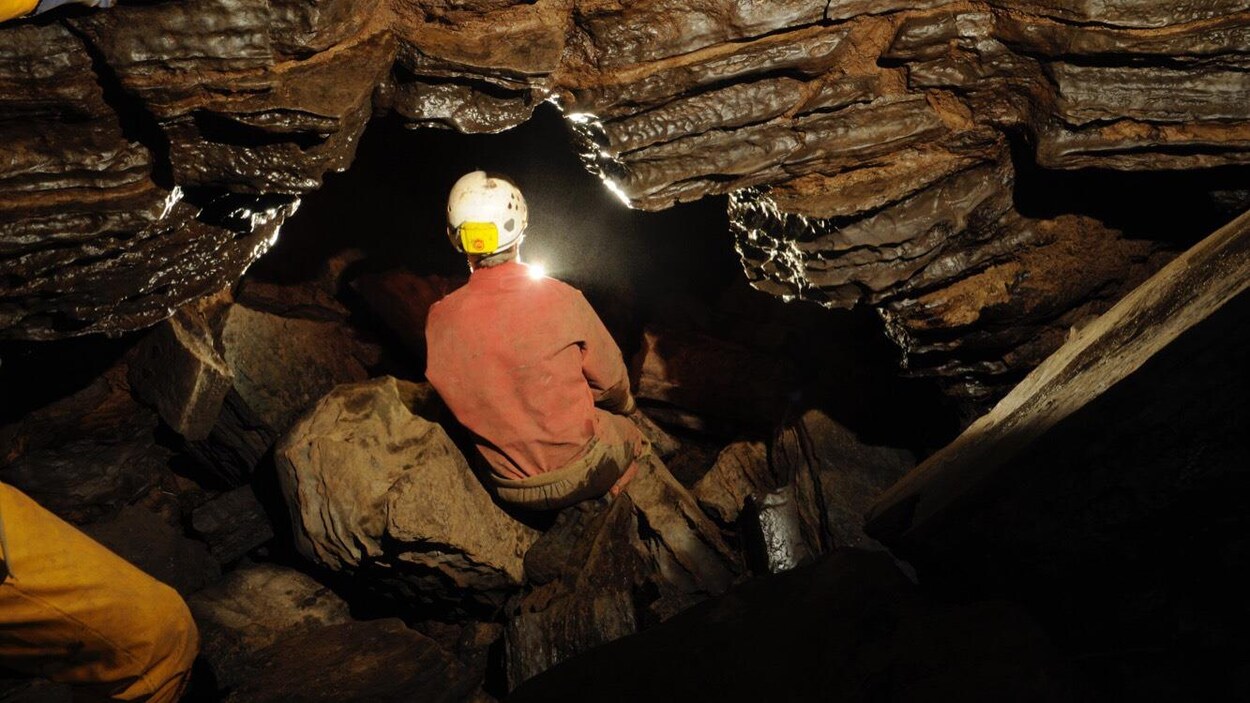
(151, 152)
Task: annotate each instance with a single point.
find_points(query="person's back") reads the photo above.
(515, 357)
(522, 362)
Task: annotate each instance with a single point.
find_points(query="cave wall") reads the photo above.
(152, 151)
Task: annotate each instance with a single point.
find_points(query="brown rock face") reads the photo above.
(86, 456)
(376, 660)
(255, 607)
(152, 151)
(372, 486)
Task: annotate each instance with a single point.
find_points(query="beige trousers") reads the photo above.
(607, 465)
(74, 612)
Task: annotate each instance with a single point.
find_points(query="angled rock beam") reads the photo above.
(1182, 294)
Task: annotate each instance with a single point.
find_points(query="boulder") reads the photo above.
(837, 478)
(680, 376)
(773, 538)
(556, 552)
(663, 444)
(255, 607)
(282, 365)
(309, 301)
(238, 441)
(741, 469)
(233, 524)
(537, 641)
(695, 459)
(178, 370)
(372, 485)
(612, 565)
(847, 627)
(378, 660)
(145, 540)
(86, 456)
(477, 646)
(593, 566)
(402, 300)
(691, 559)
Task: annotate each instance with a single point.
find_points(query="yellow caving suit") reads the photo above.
(10, 9)
(16, 8)
(74, 612)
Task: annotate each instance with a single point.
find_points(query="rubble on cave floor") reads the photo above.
(331, 535)
(305, 499)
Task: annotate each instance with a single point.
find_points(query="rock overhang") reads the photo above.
(866, 147)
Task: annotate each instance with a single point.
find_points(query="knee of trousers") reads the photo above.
(174, 636)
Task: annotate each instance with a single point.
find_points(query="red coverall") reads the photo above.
(522, 363)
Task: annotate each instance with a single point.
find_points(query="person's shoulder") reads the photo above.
(566, 294)
(445, 305)
(558, 287)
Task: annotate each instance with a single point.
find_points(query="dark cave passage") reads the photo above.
(935, 316)
(781, 386)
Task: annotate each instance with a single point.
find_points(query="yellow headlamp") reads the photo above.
(479, 237)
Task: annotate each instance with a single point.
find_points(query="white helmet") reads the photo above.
(486, 214)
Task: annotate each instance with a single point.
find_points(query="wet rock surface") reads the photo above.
(895, 156)
(865, 145)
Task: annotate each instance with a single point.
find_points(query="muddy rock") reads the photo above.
(592, 567)
(86, 456)
(611, 566)
(835, 473)
(691, 558)
(539, 640)
(741, 469)
(145, 540)
(283, 365)
(663, 444)
(232, 524)
(378, 660)
(850, 626)
(255, 607)
(178, 370)
(370, 484)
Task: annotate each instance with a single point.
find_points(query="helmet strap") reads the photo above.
(500, 257)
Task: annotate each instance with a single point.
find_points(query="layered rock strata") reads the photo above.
(153, 150)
